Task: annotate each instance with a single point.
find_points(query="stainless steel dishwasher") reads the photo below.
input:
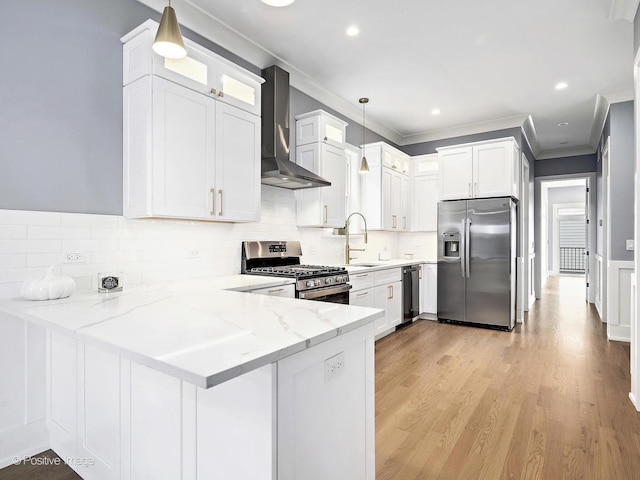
(410, 293)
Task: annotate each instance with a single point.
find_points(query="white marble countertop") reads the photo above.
(196, 330)
(383, 264)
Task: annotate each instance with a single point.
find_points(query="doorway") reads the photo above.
(564, 230)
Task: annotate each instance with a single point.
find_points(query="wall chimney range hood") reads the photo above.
(277, 169)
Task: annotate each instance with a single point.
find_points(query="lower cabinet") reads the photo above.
(429, 290)
(310, 415)
(379, 289)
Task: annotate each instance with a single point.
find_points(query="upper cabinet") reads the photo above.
(424, 213)
(201, 70)
(384, 190)
(187, 154)
(322, 151)
(479, 170)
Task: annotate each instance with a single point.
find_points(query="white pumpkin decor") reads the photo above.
(48, 287)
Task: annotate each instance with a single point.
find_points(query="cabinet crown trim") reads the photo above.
(482, 142)
(320, 113)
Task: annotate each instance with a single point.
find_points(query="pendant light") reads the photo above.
(168, 42)
(364, 165)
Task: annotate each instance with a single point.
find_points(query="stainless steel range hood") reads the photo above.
(277, 169)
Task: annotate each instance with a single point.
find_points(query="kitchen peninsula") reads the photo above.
(190, 380)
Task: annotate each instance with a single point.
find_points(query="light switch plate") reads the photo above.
(630, 245)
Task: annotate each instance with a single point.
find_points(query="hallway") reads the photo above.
(548, 400)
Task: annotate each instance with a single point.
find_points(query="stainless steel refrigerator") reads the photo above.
(476, 261)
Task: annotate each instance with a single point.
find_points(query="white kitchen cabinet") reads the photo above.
(320, 126)
(424, 193)
(201, 70)
(287, 291)
(185, 156)
(384, 190)
(326, 410)
(362, 298)
(387, 294)
(361, 293)
(479, 170)
(324, 206)
(429, 290)
(353, 157)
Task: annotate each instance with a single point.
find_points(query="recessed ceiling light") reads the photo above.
(278, 3)
(435, 111)
(353, 30)
(559, 86)
(563, 124)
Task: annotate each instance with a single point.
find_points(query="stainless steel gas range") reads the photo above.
(282, 259)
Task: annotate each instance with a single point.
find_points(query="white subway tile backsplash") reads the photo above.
(89, 220)
(15, 260)
(51, 232)
(27, 217)
(44, 259)
(13, 231)
(29, 246)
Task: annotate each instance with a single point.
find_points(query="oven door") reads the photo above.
(335, 294)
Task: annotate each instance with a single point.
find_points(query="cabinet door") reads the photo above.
(238, 89)
(425, 204)
(380, 299)
(333, 167)
(388, 222)
(429, 289)
(394, 304)
(361, 298)
(492, 169)
(237, 196)
(403, 194)
(455, 173)
(395, 198)
(325, 206)
(183, 151)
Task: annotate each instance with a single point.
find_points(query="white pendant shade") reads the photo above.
(278, 3)
(168, 42)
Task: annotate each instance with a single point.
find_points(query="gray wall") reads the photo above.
(430, 147)
(636, 32)
(621, 179)
(566, 165)
(560, 195)
(302, 103)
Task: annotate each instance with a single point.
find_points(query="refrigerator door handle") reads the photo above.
(463, 238)
(467, 242)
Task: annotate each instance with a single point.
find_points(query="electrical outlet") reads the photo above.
(630, 245)
(193, 253)
(74, 257)
(333, 366)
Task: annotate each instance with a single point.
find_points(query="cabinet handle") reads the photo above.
(475, 189)
(325, 139)
(220, 212)
(326, 215)
(362, 294)
(470, 194)
(394, 167)
(213, 201)
(390, 287)
(395, 221)
(214, 91)
(405, 222)
(363, 275)
(221, 93)
(276, 290)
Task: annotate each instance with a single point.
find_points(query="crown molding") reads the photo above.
(567, 152)
(623, 10)
(529, 130)
(462, 130)
(600, 113)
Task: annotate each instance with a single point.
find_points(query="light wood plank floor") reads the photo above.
(546, 401)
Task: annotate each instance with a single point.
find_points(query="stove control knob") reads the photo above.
(328, 281)
(311, 283)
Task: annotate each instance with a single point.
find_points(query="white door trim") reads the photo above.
(556, 232)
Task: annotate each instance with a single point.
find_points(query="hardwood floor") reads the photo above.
(45, 466)
(546, 401)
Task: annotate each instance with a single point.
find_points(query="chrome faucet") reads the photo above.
(347, 247)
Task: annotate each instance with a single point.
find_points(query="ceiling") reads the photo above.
(485, 64)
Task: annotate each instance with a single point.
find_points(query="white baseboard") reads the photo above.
(619, 300)
(23, 441)
(633, 399)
